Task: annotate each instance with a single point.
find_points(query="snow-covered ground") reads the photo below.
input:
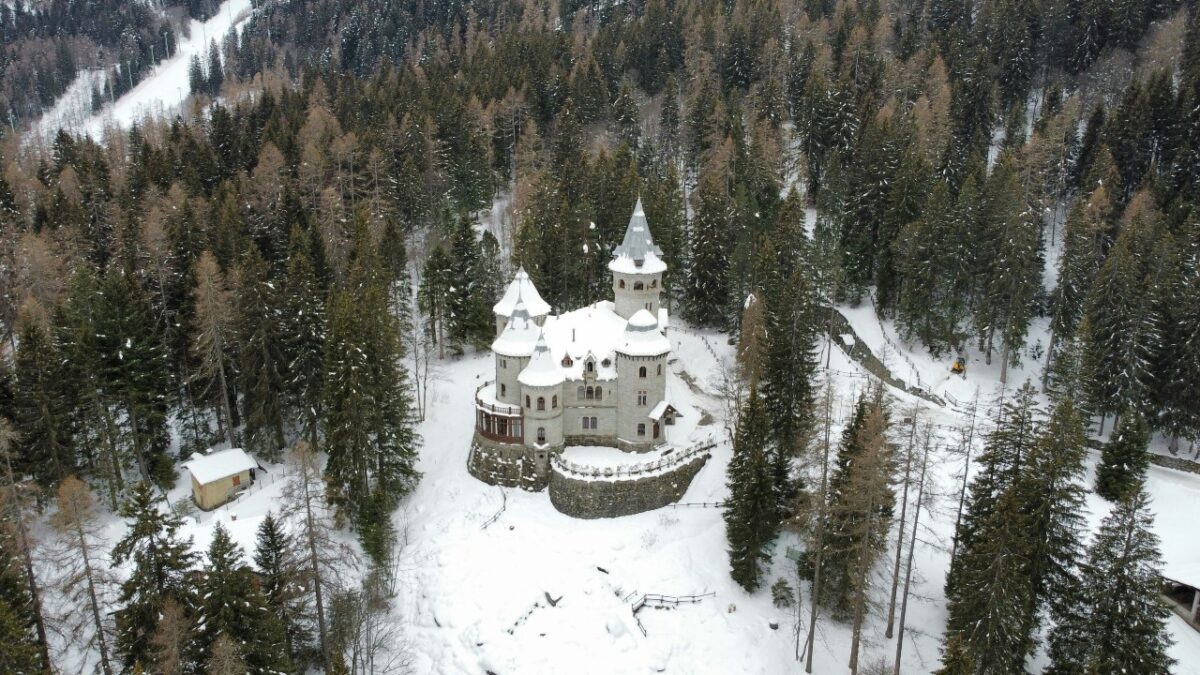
(161, 92)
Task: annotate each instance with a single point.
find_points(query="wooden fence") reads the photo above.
(633, 470)
(657, 600)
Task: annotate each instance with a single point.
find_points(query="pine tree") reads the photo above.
(1119, 625)
(262, 367)
(1125, 458)
(1178, 388)
(281, 581)
(469, 311)
(19, 655)
(19, 648)
(1082, 254)
(230, 603)
(750, 513)
(197, 82)
(161, 560)
(709, 297)
(434, 297)
(216, 73)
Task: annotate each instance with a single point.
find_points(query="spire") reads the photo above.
(638, 241)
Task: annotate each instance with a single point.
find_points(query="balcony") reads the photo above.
(497, 421)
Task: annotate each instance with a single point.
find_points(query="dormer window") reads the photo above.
(591, 366)
(606, 362)
(567, 362)
(638, 286)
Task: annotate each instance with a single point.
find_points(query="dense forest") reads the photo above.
(278, 270)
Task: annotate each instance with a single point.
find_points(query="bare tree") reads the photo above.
(226, 657)
(11, 506)
(906, 477)
(368, 637)
(966, 443)
(923, 502)
(171, 639)
(214, 327)
(84, 574)
(818, 543)
(310, 517)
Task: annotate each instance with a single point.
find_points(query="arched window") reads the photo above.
(502, 388)
(660, 369)
(541, 435)
(591, 366)
(638, 286)
(554, 402)
(541, 403)
(654, 283)
(567, 362)
(579, 394)
(599, 394)
(642, 371)
(621, 284)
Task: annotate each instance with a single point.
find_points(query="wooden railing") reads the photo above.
(656, 600)
(502, 409)
(632, 470)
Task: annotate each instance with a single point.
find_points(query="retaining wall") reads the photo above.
(600, 498)
(505, 464)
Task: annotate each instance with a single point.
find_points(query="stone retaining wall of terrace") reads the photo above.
(504, 464)
(589, 498)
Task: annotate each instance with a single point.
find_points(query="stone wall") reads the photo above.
(582, 498)
(504, 464)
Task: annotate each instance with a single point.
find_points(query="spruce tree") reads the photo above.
(468, 310)
(709, 295)
(161, 562)
(303, 330)
(231, 603)
(281, 579)
(1124, 459)
(19, 648)
(43, 403)
(262, 367)
(750, 513)
(1119, 625)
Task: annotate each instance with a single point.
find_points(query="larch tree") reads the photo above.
(84, 572)
(213, 341)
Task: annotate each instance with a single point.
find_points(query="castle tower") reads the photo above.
(521, 287)
(641, 382)
(541, 385)
(512, 351)
(637, 268)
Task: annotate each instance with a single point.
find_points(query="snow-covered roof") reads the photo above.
(520, 334)
(1186, 573)
(542, 370)
(661, 409)
(521, 288)
(643, 337)
(217, 465)
(637, 253)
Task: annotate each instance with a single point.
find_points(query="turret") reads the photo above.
(637, 268)
(521, 287)
(512, 350)
(541, 385)
(641, 381)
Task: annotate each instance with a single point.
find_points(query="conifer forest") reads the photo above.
(931, 268)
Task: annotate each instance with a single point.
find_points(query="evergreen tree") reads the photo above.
(19, 648)
(303, 329)
(1179, 385)
(434, 297)
(469, 310)
(751, 520)
(1119, 625)
(282, 583)
(231, 603)
(42, 412)
(216, 73)
(709, 298)
(161, 562)
(197, 82)
(262, 368)
(1083, 248)
(1125, 458)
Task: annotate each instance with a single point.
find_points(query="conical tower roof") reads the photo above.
(542, 371)
(520, 333)
(522, 287)
(637, 253)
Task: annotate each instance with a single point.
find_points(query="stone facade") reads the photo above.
(508, 465)
(603, 498)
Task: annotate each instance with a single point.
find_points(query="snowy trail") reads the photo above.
(161, 92)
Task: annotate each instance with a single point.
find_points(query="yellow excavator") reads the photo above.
(959, 367)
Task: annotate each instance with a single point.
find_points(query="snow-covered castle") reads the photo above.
(595, 376)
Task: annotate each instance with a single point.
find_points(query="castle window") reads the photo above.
(641, 430)
(516, 428)
(641, 397)
(638, 286)
(504, 363)
(591, 393)
(591, 366)
(621, 284)
(579, 394)
(541, 435)
(599, 394)
(656, 429)
(586, 422)
(502, 388)
(654, 283)
(606, 362)
(642, 371)
(554, 402)
(660, 369)
(567, 362)
(526, 400)
(541, 403)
